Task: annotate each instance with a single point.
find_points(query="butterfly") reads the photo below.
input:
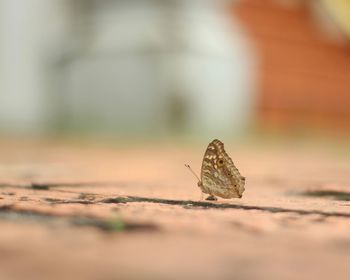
(219, 176)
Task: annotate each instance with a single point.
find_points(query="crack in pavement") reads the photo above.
(207, 205)
(190, 204)
(332, 194)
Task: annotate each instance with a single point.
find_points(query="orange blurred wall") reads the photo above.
(304, 75)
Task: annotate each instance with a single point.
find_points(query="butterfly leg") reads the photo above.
(211, 197)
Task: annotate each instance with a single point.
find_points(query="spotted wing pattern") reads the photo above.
(219, 175)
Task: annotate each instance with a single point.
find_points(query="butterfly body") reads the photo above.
(219, 175)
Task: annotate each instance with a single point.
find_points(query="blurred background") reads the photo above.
(204, 68)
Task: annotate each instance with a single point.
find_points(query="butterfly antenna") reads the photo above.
(189, 168)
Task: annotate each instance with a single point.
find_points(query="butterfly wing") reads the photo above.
(219, 175)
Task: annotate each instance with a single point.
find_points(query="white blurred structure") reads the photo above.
(131, 66)
(29, 32)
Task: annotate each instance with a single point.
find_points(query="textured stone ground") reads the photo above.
(83, 211)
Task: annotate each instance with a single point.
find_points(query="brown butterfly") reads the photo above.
(219, 176)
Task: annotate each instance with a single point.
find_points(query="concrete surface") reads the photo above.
(83, 211)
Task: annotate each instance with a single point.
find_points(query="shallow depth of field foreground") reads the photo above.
(87, 211)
